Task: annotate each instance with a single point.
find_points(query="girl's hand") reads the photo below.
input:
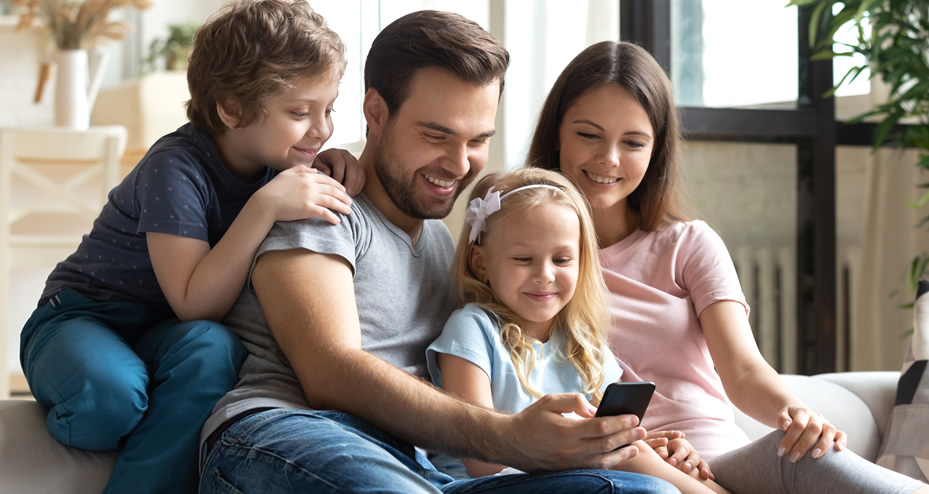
(678, 452)
(343, 168)
(301, 192)
(685, 457)
(658, 441)
(805, 429)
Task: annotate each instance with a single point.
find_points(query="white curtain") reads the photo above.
(542, 38)
(890, 240)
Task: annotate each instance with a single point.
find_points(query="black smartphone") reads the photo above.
(625, 398)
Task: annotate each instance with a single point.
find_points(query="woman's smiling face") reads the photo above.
(605, 145)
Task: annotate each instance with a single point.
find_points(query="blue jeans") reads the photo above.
(112, 376)
(298, 451)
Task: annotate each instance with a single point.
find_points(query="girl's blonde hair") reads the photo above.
(581, 323)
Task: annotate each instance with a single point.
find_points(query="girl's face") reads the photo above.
(530, 260)
(605, 144)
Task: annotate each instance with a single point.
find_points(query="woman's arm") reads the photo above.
(756, 388)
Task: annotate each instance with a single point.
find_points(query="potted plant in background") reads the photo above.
(174, 50)
(893, 38)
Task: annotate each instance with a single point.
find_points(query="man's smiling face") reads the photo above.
(436, 142)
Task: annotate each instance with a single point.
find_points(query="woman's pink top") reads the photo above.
(659, 283)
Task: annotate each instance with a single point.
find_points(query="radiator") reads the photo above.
(768, 276)
(769, 281)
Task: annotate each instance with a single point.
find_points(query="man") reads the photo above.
(331, 397)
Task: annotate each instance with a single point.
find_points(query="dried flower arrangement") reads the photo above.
(75, 24)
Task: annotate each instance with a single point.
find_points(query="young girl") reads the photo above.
(679, 317)
(527, 267)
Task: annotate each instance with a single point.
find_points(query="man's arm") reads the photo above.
(308, 300)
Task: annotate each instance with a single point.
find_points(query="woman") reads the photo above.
(610, 125)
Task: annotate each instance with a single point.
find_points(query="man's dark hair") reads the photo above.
(430, 38)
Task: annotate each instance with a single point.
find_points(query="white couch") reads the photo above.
(31, 461)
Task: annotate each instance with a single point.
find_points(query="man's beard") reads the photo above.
(402, 191)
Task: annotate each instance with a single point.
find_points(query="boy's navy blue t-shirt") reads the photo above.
(180, 187)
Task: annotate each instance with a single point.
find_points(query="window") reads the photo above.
(722, 56)
(540, 36)
(358, 22)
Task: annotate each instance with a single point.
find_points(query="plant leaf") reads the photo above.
(918, 269)
(814, 22)
(883, 129)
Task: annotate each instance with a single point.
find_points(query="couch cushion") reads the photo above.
(31, 460)
(842, 407)
(906, 446)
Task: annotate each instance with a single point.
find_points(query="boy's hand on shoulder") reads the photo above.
(343, 168)
(301, 192)
(550, 441)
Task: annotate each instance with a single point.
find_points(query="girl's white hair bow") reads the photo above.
(478, 211)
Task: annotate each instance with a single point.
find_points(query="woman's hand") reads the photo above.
(805, 429)
(678, 452)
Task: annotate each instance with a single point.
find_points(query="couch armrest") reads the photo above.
(31, 460)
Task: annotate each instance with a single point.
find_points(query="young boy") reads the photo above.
(123, 348)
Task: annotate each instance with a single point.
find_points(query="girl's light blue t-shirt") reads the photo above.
(472, 334)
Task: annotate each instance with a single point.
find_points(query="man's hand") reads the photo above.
(543, 439)
(343, 168)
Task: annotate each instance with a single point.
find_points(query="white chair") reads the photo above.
(53, 183)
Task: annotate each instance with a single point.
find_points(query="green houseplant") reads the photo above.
(893, 38)
(173, 49)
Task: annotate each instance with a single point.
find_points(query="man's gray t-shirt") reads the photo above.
(402, 292)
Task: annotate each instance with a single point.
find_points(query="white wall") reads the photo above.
(20, 55)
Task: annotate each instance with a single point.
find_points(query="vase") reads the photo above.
(71, 106)
(77, 84)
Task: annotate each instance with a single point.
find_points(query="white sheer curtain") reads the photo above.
(542, 38)
(890, 240)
